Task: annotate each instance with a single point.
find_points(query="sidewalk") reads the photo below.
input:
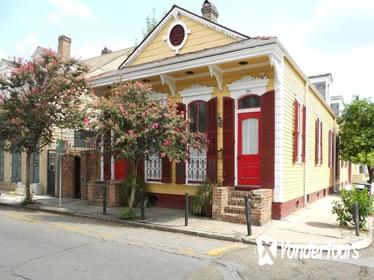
(312, 224)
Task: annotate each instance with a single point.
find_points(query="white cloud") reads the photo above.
(72, 8)
(27, 45)
(54, 18)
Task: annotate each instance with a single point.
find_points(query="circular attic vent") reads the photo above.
(176, 36)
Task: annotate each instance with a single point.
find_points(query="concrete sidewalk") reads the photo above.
(313, 224)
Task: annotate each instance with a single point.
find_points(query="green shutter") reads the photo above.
(34, 168)
(16, 167)
(1, 164)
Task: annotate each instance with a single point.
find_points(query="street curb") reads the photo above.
(359, 245)
(133, 223)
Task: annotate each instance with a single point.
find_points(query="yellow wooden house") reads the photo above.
(268, 126)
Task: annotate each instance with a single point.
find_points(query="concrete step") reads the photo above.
(238, 194)
(237, 209)
(233, 218)
(236, 201)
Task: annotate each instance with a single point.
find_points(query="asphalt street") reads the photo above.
(36, 245)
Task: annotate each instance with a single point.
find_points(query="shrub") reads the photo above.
(202, 202)
(125, 191)
(344, 207)
(128, 214)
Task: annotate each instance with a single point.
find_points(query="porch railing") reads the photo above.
(197, 166)
(153, 168)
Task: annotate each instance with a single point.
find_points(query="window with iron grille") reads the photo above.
(83, 139)
(16, 167)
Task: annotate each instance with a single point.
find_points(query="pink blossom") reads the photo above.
(155, 125)
(167, 142)
(86, 121)
(162, 154)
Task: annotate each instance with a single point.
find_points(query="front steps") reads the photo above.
(235, 210)
(229, 205)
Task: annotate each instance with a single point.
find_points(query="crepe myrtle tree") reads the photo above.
(140, 127)
(40, 95)
(356, 136)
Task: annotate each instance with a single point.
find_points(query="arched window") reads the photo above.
(197, 113)
(249, 101)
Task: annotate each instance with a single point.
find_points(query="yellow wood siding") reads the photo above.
(178, 189)
(317, 177)
(201, 37)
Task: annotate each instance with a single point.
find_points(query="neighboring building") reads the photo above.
(337, 104)
(269, 129)
(323, 84)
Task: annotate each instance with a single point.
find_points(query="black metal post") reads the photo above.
(186, 211)
(104, 197)
(142, 203)
(356, 217)
(248, 214)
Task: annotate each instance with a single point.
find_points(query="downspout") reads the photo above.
(335, 153)
(306, 144)
(102, 161)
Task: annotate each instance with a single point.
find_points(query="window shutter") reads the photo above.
(329, 149)
(321, 142)
(212, 140)
(304, 134)
(296, 130)
(141, 170)
(166, 170)
(317, 142)
(228, 151)
(181, 166)
(120, 169)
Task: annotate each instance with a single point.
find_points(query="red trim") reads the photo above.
(228, 152)
(169, 200)
(281, 210)
(267, 139)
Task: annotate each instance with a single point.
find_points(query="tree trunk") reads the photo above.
(28, 192)
(134, 174)
(371, 173)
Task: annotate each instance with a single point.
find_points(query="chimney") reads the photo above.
(209, 11)
(105, 51)
(64, 43)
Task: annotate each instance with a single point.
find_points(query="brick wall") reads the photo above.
(228, 205)
(95, 193)
(220, 199)
(67, 176)
(261, 200)
(90, 170)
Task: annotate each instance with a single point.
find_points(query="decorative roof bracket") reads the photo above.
(216, 72)
(170, 82)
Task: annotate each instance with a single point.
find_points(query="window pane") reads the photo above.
(192, 114)
(202, 117)
(250, 137)
(250, 101)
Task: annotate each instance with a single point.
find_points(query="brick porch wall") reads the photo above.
(90, 170)
(261, 205)
(95, 194)
(67, 176)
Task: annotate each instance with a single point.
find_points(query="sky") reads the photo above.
(322, 36)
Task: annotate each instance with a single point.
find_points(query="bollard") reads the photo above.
(104, 186)
(186, 211)
(248, 214)
(142, 203)
(356, 218)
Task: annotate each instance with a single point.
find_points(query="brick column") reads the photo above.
(67, 176)
(95, 194)
(261, 206)
(220, 199)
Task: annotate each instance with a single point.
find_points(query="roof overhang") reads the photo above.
(236, 51)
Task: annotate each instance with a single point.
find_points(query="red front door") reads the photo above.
(120, 170)
(249, 125)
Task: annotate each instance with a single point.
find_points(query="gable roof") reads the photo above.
(173, 12)
(106, 62)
